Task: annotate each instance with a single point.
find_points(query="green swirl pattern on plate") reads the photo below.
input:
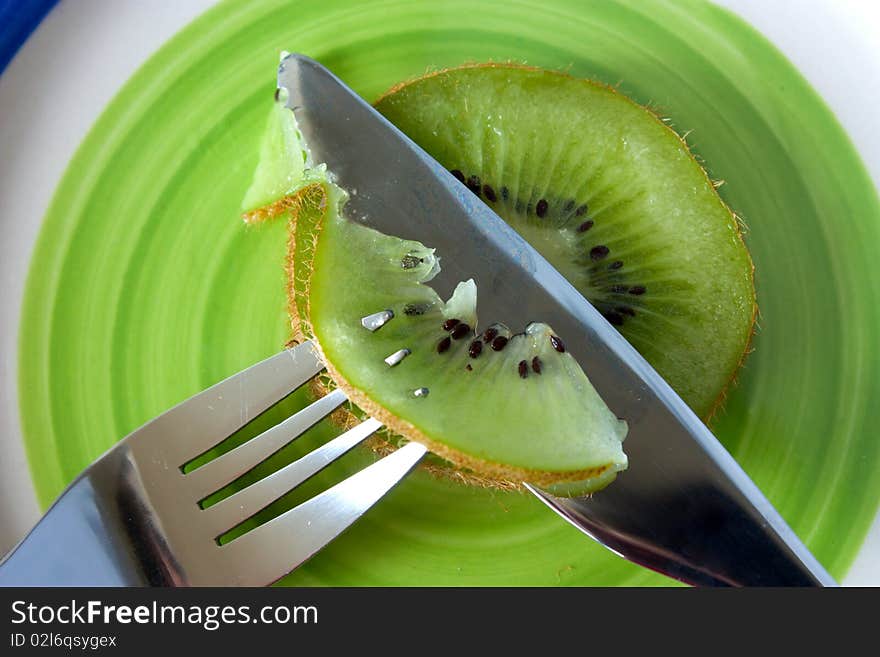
(145, 287)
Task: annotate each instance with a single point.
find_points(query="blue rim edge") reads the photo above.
(18, 19)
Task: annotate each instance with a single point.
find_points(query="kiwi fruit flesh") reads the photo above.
(508, 406)
(611, 196)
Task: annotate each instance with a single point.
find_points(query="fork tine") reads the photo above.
(274, 549)
(240, 506)
(215, 474)
(197, 424)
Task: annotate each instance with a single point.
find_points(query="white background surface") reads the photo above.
(835, 44)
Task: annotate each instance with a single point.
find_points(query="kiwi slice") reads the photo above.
(611, 196)
(484, 399)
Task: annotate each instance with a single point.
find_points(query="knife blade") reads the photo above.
(684, 507)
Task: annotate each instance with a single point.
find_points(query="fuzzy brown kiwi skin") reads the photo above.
(718, 404)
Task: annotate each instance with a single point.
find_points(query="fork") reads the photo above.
(134, 516)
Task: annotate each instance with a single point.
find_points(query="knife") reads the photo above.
(684, 507)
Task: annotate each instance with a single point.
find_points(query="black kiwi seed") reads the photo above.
(473, 184)
(557, 344)
(475, 348)
(584, 227)
(569, 206)
(541, 208)
(625, 310)
(498, 343)
(415, 309)
(469, 368)
(523, 369)
(599, 252)
(637, 290)
(582, 210)
(614, 318)
(460, 331)
(617, 264)
(505, 193)
(458, 174)
(443, 345)
(490, 334)
(536, 365)
(450, 324)
(489, 193)
(409, 261)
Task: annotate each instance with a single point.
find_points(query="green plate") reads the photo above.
(145, 287)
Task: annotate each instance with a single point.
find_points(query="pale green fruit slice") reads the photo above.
(524, 411)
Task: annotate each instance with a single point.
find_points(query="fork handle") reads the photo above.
(75, 544)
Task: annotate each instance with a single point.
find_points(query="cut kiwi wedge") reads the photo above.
(611, 196)
(510, 407)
